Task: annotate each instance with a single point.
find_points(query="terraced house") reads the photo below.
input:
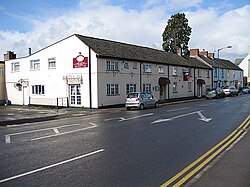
(81, 71)
(225, 73)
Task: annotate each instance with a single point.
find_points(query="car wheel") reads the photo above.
(141, 106)
(128, 108)
(156, 104)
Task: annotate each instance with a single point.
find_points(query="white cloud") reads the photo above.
(142, 27)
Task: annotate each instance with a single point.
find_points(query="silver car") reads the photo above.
(141, 100)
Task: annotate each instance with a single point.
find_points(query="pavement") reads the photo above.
(230, 169)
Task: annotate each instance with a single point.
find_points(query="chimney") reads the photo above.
(204, 53)
(9, 55)
(29, 51)
(194, 52)
(211, 55)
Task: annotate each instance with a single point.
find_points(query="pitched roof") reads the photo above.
(113, 49)
(229, 64)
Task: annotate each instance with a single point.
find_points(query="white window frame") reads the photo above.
(147, 68)
(126, 64)
(112, 89)
(175, 90)
(1, 72)
(35, 65)
(175, 69)
(147, 88)
(161, 69)
(15, 67)
(112, 65)
(134, 65)
(190, 86)
(52, 63)
(130, 88)
(199, 72)
(38, 90)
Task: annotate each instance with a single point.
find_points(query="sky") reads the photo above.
(39, 23)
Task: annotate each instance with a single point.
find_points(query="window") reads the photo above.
(38, 89)
(52, 63)
(126, 65)
(134, 65)
(1, 72)
(15, 67)
(175, 87)
(112, 89)
(222, 73)
(147, 68)
(147, 88)
(190, 72)
(112, 65)
(175, 71)
(190, 86)
(35, 65)
(130, 88)
(208, 74)
(199, 73)
(161, 69)
(215, 72)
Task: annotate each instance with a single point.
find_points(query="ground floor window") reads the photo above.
(112, 89)
(147, 88)
(189, 86)
(130, 88)
(175, 87)
(38, 90)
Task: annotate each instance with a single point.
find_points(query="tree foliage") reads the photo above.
(176, 34)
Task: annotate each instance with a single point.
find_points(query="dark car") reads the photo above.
(214, 93)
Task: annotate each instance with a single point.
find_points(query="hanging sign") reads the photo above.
(80, 62)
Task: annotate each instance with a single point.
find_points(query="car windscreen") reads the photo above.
(132, 95)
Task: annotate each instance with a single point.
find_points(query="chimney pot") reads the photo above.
(203, 53)
(194, 52)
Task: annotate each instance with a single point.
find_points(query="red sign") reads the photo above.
(80, 62)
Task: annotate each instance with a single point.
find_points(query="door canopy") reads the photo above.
(201, 81)
(163, 81)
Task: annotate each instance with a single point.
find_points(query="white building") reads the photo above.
(245, 65)
(81, 71)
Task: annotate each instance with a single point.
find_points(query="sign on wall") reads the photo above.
(80, 62)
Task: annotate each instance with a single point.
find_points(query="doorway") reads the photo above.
(75, 95)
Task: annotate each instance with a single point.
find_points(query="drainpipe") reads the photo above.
(90, 85)
(140, 77)
(194, 83)
(168, 84)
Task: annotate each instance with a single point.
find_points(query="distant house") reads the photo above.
(2, 83)
(81, 71)
(245, 65)
(225, 72)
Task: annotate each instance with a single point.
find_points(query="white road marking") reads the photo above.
(135, 117)
(50, 166)
(69, 132)
(173, 110)
(110, 119)
(7, 139)
(56, 131)
(203, 118)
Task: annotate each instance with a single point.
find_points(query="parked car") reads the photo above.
(230, 90)
(214, 93)
(141, 100)
(246, 90)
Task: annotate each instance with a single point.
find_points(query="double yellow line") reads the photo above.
(191, 170)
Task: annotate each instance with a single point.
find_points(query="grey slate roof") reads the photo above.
(221, 63)
(113, 49)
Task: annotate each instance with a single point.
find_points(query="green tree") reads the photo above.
(176, 34)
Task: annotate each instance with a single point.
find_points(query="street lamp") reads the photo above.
(218, 52)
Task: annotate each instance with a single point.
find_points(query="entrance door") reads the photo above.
(162, 92)
(199, 90)
(75, 95)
